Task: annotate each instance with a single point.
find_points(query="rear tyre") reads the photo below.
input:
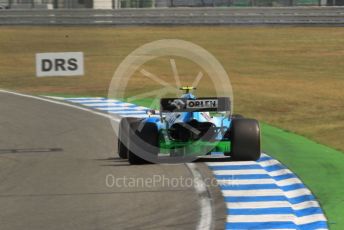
(123, 134)
(143, 144)
(245, 140)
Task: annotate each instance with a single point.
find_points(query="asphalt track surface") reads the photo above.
(54, 161)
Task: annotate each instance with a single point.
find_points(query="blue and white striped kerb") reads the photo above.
(266, 195)
(110, 106)
(258, 195)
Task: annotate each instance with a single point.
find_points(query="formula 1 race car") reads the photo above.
(189, 128)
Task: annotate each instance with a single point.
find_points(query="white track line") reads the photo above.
(205, 221)
(114, 118)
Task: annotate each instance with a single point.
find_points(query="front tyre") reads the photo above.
(245, 140)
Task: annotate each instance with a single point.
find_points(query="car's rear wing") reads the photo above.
(209, 104)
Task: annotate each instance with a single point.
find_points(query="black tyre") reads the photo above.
(144, 143)
(123, 134)
(245, 140)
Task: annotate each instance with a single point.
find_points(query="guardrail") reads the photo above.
(178, 16)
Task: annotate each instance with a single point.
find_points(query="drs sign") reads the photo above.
(59, 64)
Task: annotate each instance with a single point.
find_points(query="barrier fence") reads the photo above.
(177, 16)
(117, 4)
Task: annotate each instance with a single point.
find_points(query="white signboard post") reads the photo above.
(59, 64)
